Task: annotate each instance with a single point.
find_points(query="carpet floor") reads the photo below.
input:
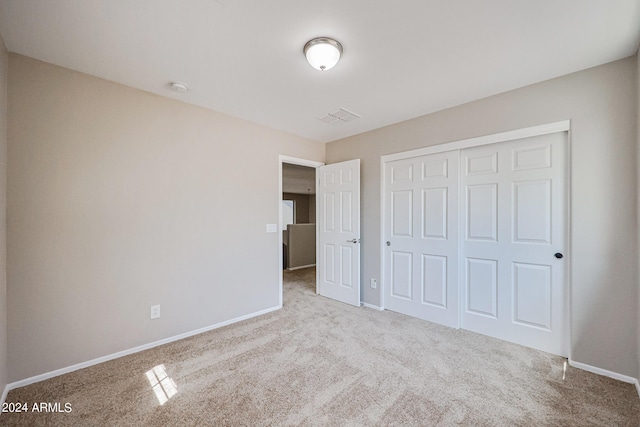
(320, 362)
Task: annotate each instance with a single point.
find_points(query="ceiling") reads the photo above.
(298, 179)
(402, 59)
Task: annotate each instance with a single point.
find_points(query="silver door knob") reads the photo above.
(353, 241)
(388, 243)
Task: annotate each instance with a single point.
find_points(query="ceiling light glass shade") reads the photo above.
(322, 53)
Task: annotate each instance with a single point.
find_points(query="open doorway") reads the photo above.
(298, 218)
(297, 215)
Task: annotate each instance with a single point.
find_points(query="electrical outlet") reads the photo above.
(155, 311)
(374, 283)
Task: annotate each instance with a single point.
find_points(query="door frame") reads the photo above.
(300, 162)
(545, 129)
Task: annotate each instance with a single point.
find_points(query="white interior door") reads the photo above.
(338, 222)
(514, 216)
(421, 232)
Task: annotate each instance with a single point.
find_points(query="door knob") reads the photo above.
(388, 243)
(353, 241)
(558, 255)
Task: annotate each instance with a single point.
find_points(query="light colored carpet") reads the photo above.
(320, 362)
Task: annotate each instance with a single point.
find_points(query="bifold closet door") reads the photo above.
(514, 213)
(421, 237)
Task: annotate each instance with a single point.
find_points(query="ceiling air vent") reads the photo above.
(339, 117)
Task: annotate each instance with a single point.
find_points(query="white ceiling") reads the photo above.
(298, 179)
(402, 58)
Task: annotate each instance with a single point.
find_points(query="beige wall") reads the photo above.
(300, 205)
(119, 199)
(301, 248)
(601, 103)
(4, 62)
(312, 209)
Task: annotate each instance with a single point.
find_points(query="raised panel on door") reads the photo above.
(402, 213)
(329, 224)
(329, 178)
(436, 168)
(346, 209)
(402, 275)
(482, 212)
(434, 280)
(346, 254)
(401, 172)
(329, 269)
(532, 211)
(346, 175)
(483, 163)
(532, 157)
(532, 295)
(482, 287)
(434, 213)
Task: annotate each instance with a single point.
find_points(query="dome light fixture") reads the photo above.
(323, 53)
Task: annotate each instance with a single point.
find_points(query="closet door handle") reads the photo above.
(558, 255)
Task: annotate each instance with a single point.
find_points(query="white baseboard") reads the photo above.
(375, 307)
(137, 349)
(600, 371)
(301, 267)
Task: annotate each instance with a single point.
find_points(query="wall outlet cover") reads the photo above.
(272, 228)
(155, 311)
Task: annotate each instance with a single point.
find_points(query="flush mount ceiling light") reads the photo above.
(323, 53)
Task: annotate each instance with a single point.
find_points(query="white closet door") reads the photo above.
(421, 233)
(514, 215)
